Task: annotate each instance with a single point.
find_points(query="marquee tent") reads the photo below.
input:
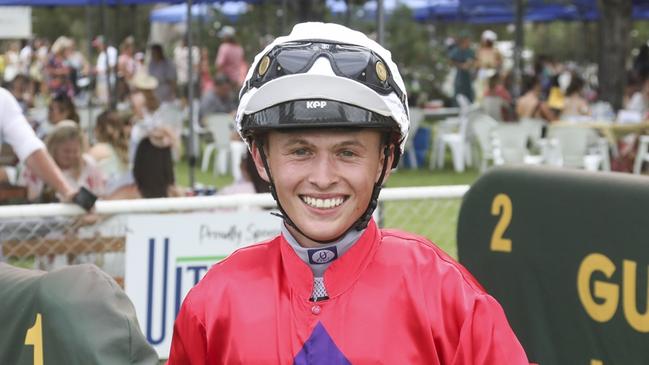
(503, 11)
(178, 13)
(494, 11)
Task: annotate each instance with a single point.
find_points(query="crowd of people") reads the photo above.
(140, 85)
(136, 140)
(549, 90)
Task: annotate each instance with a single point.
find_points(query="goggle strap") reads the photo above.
(362, 222)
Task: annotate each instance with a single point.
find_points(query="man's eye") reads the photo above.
(300, 152)
(347, 153)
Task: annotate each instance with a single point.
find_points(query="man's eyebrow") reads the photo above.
(350, 143)
(304, 142)
(295, 141)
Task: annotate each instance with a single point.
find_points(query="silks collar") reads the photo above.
(341, 274)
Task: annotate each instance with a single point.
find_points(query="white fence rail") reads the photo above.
(47, 236)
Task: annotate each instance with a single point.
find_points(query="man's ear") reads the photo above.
(388, 168)
(259, 164)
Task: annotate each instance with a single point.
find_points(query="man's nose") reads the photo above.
(324, 171)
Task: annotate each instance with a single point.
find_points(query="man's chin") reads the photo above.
(322, 233)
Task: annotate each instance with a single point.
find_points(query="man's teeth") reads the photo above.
(322, 203)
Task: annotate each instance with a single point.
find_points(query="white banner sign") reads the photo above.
(15, 22)
(167, 254)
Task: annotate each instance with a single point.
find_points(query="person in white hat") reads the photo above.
(144, 102)
(488, 55)
(488, 61)
(324, 113)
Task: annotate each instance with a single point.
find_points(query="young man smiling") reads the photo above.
(323, 111)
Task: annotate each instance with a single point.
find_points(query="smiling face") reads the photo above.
(323, 178)
(68, 153)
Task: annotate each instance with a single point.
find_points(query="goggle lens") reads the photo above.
(351, 63)
(354, 62)
(294, 60)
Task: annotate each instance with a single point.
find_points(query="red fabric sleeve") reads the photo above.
(486, 337)
(189, 344)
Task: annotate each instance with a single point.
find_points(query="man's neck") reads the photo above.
(338, 247)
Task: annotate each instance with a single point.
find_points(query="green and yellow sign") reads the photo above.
(566, 253)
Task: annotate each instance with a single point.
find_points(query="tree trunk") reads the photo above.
(615, 24)
(310, 10)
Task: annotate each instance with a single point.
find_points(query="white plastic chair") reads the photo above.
(170, 115)
(237, 152)
(534, 128)
(219, 125)
(603, 149)
(448, 125)
(573, 143)
(482, 126)
(509, 143)
(629, 117)
(602, 111)
(642, 155)
(577, 119)
(456, 141)
(493, 107)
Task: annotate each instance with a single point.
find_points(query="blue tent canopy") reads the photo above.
(422, 9)
(503, 11)
(495, 11)
(106, 2)
(178, 13)
(77, 2)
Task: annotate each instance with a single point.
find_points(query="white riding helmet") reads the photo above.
(323, 75)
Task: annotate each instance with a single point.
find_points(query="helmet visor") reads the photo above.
(314, 114)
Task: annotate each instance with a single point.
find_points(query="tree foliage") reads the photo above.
(118, 23)
(419, 54)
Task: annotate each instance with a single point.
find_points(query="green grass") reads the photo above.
(434, 219)
(424, 177)
(207, 178)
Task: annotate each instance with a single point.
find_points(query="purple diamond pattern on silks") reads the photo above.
(320, 349)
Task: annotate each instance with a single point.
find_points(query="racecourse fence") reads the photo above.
(49, 236)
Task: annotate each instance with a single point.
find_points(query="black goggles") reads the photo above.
(354, 62)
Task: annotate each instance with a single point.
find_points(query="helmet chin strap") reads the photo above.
(361, 222)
